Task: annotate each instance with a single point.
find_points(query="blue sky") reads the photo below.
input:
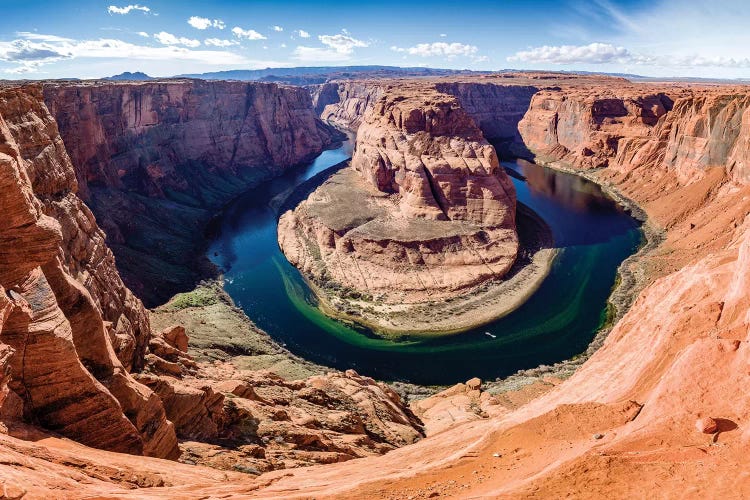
(88, 39)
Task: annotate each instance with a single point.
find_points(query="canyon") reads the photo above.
(87, 383)
(173, 153)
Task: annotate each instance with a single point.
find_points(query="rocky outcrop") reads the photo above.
(155, 161)
(594, 128)
(424, 213)
(266, 422)
(73, 327)
(681, 132)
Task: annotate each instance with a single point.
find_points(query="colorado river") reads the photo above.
(593, 233)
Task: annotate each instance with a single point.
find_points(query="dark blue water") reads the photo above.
(557, 322)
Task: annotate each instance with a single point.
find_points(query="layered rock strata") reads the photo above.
(73, 327)
(424, 213)
(71, 333)
(156, 160)
(633, 417)
(344, 104)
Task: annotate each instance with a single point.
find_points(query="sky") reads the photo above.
(91, 39)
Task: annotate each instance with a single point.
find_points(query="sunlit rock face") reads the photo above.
(69, 329)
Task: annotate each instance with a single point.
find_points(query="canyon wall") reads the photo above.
(72, 325)
(155, 161)
(495, 106)
(343, 104)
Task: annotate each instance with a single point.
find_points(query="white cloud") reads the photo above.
(165, 38)
(605, 53)
(443, 35)
(342, 43)
(248, 34)
(143, 34)
(28, 51)
(283, 45)
(339, 47)
(27, 35)
(278, 28)
(203, 23)
(112, 9)
(596, 53)
(218, 42)
(665, 37)
(33, 51)
(449, 50)
(302, 34)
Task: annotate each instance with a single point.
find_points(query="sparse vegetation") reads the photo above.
(200, 297)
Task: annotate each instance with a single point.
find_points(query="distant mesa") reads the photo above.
(129, 77)
(312, 75)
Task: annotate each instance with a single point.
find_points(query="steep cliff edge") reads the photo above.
(70, 317)
(424, 213)
(156, 160)
(344, 104)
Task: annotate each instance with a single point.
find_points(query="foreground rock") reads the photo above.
(424, 213)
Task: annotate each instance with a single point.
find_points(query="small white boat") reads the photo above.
(490, 335)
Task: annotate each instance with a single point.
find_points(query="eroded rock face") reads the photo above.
(495, 108)
(423, 213)
(429, 151)
(155, 160)
(585, 127)
(265, 422)
(66, 315)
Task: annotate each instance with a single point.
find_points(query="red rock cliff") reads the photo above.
(174, 152)
(72, 325)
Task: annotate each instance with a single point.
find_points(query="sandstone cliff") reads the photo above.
(345, 103)
(155, 161)
(71, 333)
(424, 212)
(496, 108)
(68, 317)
